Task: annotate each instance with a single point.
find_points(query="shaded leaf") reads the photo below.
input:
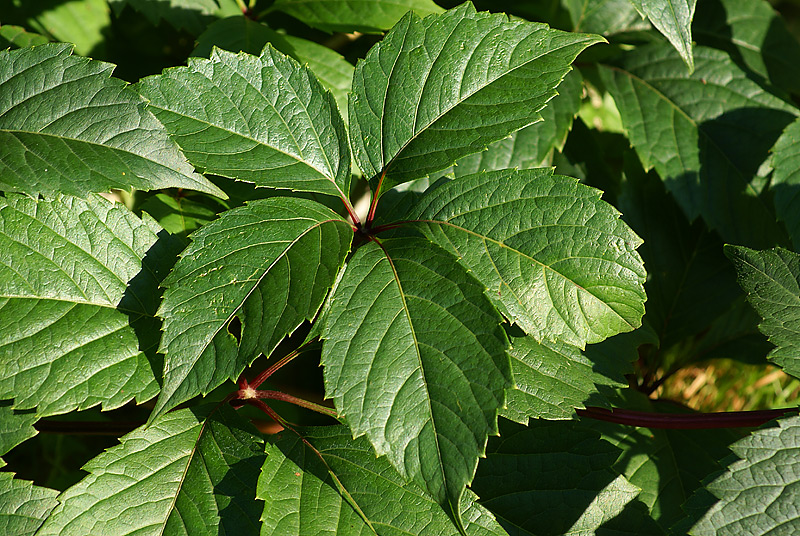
(689, 127)
(371, 16)
(668, 465)
(556, 259)
(786, 180)
(427, 94)
(756, 494)
(772, 281)
(192, 15)
(183, 474)
(605, 17)
(78, 283)
(533, 145)
(67, 126)
(23, 506)
(179, 215)
(357, 492)
(83, 23)
(15, 427)
(415, 359)
(17, 37)
(267, 266)
(673, 19)
(242, 34)
(551, 479)
(261, 119)
(755, 36)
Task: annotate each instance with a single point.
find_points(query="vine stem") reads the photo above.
(277, 395)
(374, 204)
(686, 421)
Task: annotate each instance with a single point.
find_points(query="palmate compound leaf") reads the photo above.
(78, 294)
(673, 18)
(551, 478)
(555, 258)
(786, 180)
(185, 473)
(268, 266)
(371, 16)
(414, 358)
(439, 88)
(329, 483)
(263, 119)
(771, 279)
(758, 493)
(67, 126)
(690, 129)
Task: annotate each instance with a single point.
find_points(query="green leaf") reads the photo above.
(689, 127)
(192, 15)
(755, 36)
(551, 479)
(533, 145)
(415, 358)
(371, 16)
(179, 215)
(668, 465)
(23, 506)
(553, 378)
(673, 19)
(83, 23)
(267, 267)
(262, 119)
(15, 427)
(78, 292)
(357, 492)
(605, 17)
(786, 180)
(242, 34)
(17, 37)
(182, 474)
(554, 257)
(772, 281)
(757, 492)
(67, 126)
(427, 94)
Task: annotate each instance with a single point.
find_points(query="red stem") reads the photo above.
(374, 205)
(277, 395)
(261, 378)
(687, 421)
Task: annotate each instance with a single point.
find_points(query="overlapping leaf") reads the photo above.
(753, 33)
(76, 293)
(192, 15)
(786, 180)
(604, 17)
(262, 119)
(436, 89)
(17, 37)
(757, 493)
(673, 18)
(533, 145)
(551, 479)
(556, 259)
(772, 281)
(242, 34)
(267, 267)
(689, 127)
(84, 23)
(372, 16)
(329, 483)
(67, 126)
(23, 506)
(415, 359)
(15, 427)
(183, 474)
(553, 378)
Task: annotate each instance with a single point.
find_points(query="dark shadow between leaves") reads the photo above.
(143, 296)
